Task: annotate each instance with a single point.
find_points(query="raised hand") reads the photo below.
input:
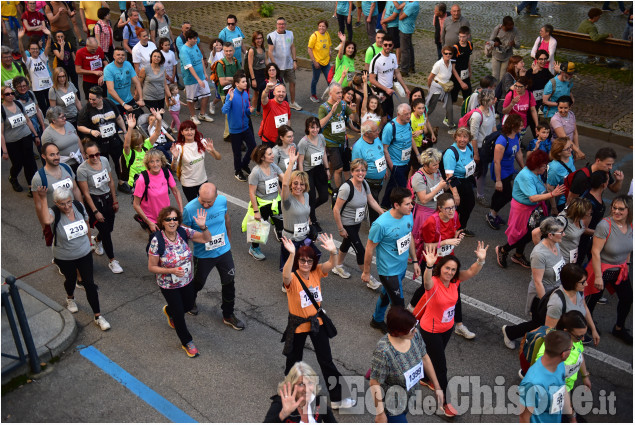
(174, 150)
(327, 242)
(199, 218)
(293, 155)
(481, 251)
(430, 254)
(288, 245)
(342, 37)
(289, 402)
(131, 120)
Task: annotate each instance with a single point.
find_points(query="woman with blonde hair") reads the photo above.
(64, 94)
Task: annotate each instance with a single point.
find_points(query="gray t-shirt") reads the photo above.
(97, 180)
(153, 84)
(266, 185)
(281, 158)
(571, 240)
(79, 246)
(542, 258)
(14, 125)
(427, 184)
(355, 211)
(313, 154)
(162, 30)
(65, 100)
(554, 306)
(296, 217)
(67, 143)
(618, 245)
(67, 180)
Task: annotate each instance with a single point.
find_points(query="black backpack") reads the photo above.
(351, 192)
(20, 106)
(161, 242)
(489, 143)
(125, 165)
(541, 310)
(456, 158)
(58, 215)
(146, 179)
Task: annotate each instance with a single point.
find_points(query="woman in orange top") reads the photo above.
(437, 319)
(303, 316)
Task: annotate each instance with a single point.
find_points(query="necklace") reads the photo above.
(169, 238)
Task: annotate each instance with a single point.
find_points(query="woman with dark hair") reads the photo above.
(170, 258)
(436, 310)
(345, 61)
(65, 59)
(319, 50)
(371, 106)
(152, 77)
(188, 153)
(540, 76)
(272, 75)
(515, 70)
(481, 125)
(104, 33)
(504, 39)
(520, 101)
(416, 93)
(529, 193)
(598, 182)
(546, 43)
(29, 102)
(399, 360)
(304, 319)
(256, 62)
(559, 168)
(281, 149)
(563, 124)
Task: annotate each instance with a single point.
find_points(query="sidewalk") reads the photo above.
(52, 326)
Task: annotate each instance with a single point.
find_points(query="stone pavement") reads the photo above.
(52, 326)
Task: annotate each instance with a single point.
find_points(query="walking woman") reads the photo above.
(460, 166)
(65, 95)
(65, 59)
(319, 50)
(94, 179)
(439, 88)
(29, 102)
(481, 125)
(155, 86)
(560, 167)
(281, 149)
(257, 60)
(65, 137)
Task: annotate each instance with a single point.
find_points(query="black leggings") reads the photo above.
(179, 301)
(191, 192)
(518, 331)
(237, 139)
(352, 240)
(84, 265)
(519, 245)
(465, 188)
(224, 264)
(375, 188)
(104, 205)
(265, 214)
(624, 295)
(318, 182)
(500, 199)
(42, 98)
(341, 21)
(21, 155)
(114, 149)
(435, 345)
(458, 308)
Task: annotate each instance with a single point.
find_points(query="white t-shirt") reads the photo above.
(192, 166)
(170, 61)
(141, 55)
(39, 73)
(384, 67)
(213, 57)
(177, 106)
(441, 72)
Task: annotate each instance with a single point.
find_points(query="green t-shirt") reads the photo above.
(371, 52)
(337, 122)
(418, 124)
(230, 71)
(137, 166)
(340, 64)
(8, 76)
(571, 364)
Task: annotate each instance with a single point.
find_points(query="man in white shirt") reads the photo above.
(383, 68)
(282, 52)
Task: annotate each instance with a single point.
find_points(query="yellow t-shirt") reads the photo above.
(321, 46)
(90, 10)
(10, 8)
(418, 124)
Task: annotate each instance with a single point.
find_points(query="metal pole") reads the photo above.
(34, 359)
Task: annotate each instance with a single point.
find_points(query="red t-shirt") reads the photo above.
(90, 62)
(273, 117)
(430, 234)
(439, 314)
(34, 19)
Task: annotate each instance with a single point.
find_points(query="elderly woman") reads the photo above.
(170, 258)
(400, 359)
(64, 135)
(559, 168)
(520, 101)
(546, 263)
(304, 318)
(482, 123)
(71, 248)
(459, 165)
(563, 124)
(297, 401)
(547, 43)
(610, 255)
(65, 95)
(528, 195)
(155, 86)
(439, 89)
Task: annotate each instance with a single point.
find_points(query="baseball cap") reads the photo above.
(568, 67)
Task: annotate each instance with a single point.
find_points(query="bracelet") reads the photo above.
(95, 212)
(334, 252)
(295, 60)
(256, 211)
(204, 228)
(480, 263)
(429, 267)
(414, 260)
(585, 376)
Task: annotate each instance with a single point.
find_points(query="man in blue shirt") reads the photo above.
(119, 77)
(216, 253)
(234, 35)
(130, 38)
(194, 77)
(370, 149)
(398, 142)
(391, 234)
(407, 21)
(562, 87)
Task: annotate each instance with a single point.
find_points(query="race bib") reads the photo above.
(300, 229)
(465, 74)
(8, 83)
(95, 64)
(237, 42)
(338, 127)
(470, 168)
(380, 164)
(434, 198)
(164, 31)
(403, 244)
(557, 268)
(107, 130)
(405, 154)
(305, 301)
(538, 94)
(286, 164)
(281, 120)
(30, 109)
(557, 400)
(572, 369)
(17, 120)
(316, 158)
(187, 267)
(216, 242)
(448, 315)
(44, 82)
(101, 178)
(67, 183)
(573, 256)
(359, 214)
(68, 98)
(446, 250)
(413, 375)
(75, 229)
(271, 186)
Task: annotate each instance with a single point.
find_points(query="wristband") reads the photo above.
(115, 203)
(256, 211)
(204, 229)
(295, 60)
(95, 212)
(480, 263)
(429, 267)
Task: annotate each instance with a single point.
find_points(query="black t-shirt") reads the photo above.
(540, 80)
(598, 209)
(100, 119)
(67, 62)
(461, 56)
(582, 183)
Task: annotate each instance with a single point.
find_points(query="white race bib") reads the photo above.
(300, 229)
(446, 250)
(405, 154)
(338, 127)
(216, 242)
(8, 83)
(538, 94)
(434, 198)
(572, 369)
(359, 214)
(187, 267)
(573, 256)
(76, 229)
(68, 98)
(95, 64)
(380, 164)
(470, 168)
(403, 244)
(67, 183)
(557, 400)
(17, 120)
(237, 42)
(305, 301)
(316, 159)
(413, 375)
(44, 82)
(448, 315)
(164, 31)
(465, 74)
(271, 185)
(101, 178)
(107, 130)
(556, 269)
(30, 109)
(281, 120)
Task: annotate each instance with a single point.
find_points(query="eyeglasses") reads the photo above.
(618, 209)
(561, 233)
(576, 337)
(11, 93)
(582, 282)
(64, 204)
(448, 209)
(94, 155)
(568, 148)
(168, 219)
(519, 86)
(307, 261)
(447, 53)
(61, 117)
(414, 328)
(61, 76)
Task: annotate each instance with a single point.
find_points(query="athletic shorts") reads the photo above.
(194, 91)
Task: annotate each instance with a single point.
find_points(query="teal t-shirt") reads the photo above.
(342, 8)
(556, 175)
(366, 8)
(399, 149)
(393, 238)
(462, 167)
(527, 184)
(407, 25)
(388, 11)
(122, 79)
(215, 222)
(544, 391)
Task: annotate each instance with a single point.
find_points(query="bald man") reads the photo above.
(89, 63)
(217, 252)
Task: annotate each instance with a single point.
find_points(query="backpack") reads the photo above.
(464, 121)
(146, 179)
(541, 310)
(57, 213)
(568, 181)
(489, 143)
(425, 180)
(156, 23)
(42, 173)
(117, 32)
(20, 106)
(466, 104)
(456, 157)
(161, 241)
(125, 166)
(213, 74)
(530, 346)
(351, 192)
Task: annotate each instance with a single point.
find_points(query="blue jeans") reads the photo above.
(324, 69)
(531, 4)
(398, 177)
(398, 419)
(390, 296)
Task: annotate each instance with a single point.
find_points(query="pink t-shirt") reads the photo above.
(158, 194)
(544, 45)
(523, 105)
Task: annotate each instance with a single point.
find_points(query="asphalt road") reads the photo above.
(237, 372)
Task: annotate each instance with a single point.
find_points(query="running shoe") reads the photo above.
(500, 221)
(246, 169)
(98, 247)
(212, 109)
(482, 201)
(449, 411)
(283, 289)
(317, 226)
(314, 99)
(521, 375)
(373, 283)
(14, 183)
(115, 267)
(240, 176)
(102, 323)
(256, 253)
(295, 106)
(623, 334)
(346, 403)
(492, 221)
(193, 311)
(195, 120)
(341, 272)
(508, 342)
(190, 349)
(602, 301)
(468, 233)
(170, 321)
(234, 322)
(71, 305)
(464, 332)
(205, 117)
(521, 260)
(426, 383)
(379, 325)
(501, 257)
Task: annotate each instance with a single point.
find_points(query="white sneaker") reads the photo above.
(98, 247)
(115, 267)
(508, 342)
(346, 403)
(464, 332)
(212, 109)
(102, 323)
(295, 106)
(341, 272)
(71, 305)
(373, 283)
(205, 118)
(195, 120)
(283, 289)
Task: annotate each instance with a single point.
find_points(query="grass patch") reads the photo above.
(604, 71)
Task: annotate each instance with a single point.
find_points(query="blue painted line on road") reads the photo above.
(137, 387)
(306, 113)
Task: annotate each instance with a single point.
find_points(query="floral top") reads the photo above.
(176, 254)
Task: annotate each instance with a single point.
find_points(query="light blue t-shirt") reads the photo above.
(388, 11)
(392, 235)
(401, 148)
(131, 36)
(366, 8)
(540, 389)
(407, 25)
(180, 43)
(373, 155)
(122, 79)
(191, 56)
(466, 159)
(527, 184)
(562, 89)
(556, 175)
(215, 222)
(509, 156)
(342, 8)
(236, 37)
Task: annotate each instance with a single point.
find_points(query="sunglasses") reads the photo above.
(447, 53)
(94, 155)
(168, 219)
(576, 337)
(308, 261)
(11, 93)
(414, 328)
(388, 44)
(231, 23)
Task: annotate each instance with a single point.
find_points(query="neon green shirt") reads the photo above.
(418, 124)
(137, 166)
(571, 364)
(340, 64)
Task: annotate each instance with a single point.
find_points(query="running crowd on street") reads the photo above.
(370, 153)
